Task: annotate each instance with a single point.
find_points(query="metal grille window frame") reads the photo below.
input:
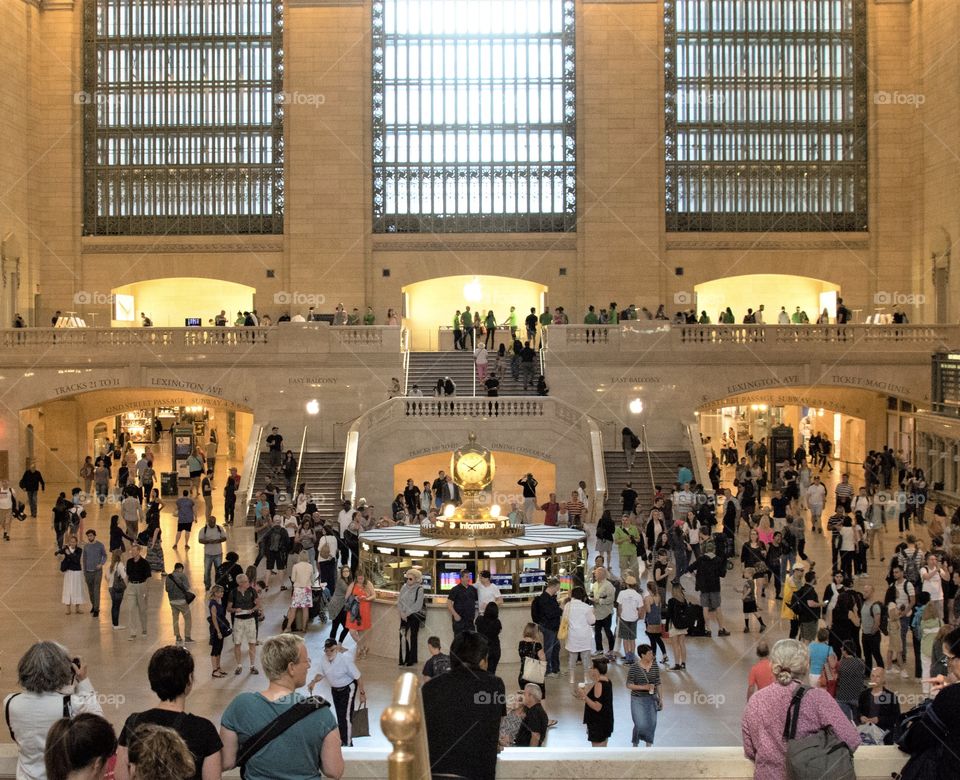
(765, 115)
(506, 163)
(182, 117)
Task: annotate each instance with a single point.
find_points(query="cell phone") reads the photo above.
(75, 661)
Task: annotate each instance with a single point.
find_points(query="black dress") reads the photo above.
(528, 649)
(490, 628)
(599, 723)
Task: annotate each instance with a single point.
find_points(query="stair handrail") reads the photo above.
(296, 480)
(646, 454)
(599, 471)
(473, 370)
(405, 352)
(348, 483)
(404, 724)
(251, 462)
(701, 472)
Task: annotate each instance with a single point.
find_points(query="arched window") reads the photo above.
(474, 116)
(766, 115)
(182, 117)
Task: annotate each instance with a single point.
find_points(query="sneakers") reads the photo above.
(119, 628)
(723, 632)
(188, 641)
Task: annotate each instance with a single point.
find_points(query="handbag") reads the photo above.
(821, 754)
(225, 628)
(188, 596)
(421, 614)
(533, 670)
(564, 629)
(118, 586)
(360, 722)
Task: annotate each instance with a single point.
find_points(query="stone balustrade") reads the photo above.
(289, 337)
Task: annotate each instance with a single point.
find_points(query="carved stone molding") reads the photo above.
(474, 243)
(322, 3)
(770, 241)
(55, 5)
(99, 246)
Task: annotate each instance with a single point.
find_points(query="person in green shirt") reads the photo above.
(546, 318)
(512, 321)
(704, 318)
(613, 315)
(238, 322)
(490, 325)
(369, 318)
(591, 317)
(457, 332)
(625, 537)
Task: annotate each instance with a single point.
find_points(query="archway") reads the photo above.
(174, 301)
(773, 291)
(67, 429)
(430, 305)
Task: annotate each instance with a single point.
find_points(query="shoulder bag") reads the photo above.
(189, 596)
(821, 754)
(276, 727)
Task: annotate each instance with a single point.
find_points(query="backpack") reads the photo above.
(276, 540)
(911, 567)
(910, 728)
(324, 551)
(884, 620)
(634, 441)
(821, 754)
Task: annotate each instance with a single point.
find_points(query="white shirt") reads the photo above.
(486, 594)
(861, 504)
(816, 495)
(904, 591)
(6, 498)
(783, 318)
(343, 519)
(580, 619)
(208, 534)
(341, 671)
(302, 574)
(629, 602)
(32, 715)
(933, 586)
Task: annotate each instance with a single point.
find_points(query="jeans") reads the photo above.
(178, 608)
(115, 602)
(32, 501)
(94, 579)
(229, 507)
(643, 710)
(601, 627)
(147, 490)
(551, 648)
(904, 630)
(526, 371)
(871, 650)
(210, 565)
(101, 488)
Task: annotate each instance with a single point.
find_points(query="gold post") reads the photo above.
(403, 724)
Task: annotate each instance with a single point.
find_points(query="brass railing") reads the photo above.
(404, 725)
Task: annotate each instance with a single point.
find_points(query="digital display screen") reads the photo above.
(193, 322)
(502, 580)
(533, 578)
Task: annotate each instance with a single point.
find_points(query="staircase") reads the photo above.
(427, 367)
(664, 464)
(322, 472)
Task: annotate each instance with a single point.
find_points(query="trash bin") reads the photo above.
(168, 483)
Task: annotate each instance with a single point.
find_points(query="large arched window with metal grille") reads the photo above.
(766, 115)
(474, 116)
(182, 117)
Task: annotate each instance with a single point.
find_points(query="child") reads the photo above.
(748, 592)
(895, 645)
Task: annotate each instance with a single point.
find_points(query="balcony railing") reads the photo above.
(309, 337)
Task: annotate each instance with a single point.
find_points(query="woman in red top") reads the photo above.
(358, 615)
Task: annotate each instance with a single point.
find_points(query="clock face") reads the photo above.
(472, 468)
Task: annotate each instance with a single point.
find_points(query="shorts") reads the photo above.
(604, 546)
(245, 631)
(302, 598)
(195, 474)
(710, 600)
(187, 527)
(627, 629)
(808, 630)
(275, 561)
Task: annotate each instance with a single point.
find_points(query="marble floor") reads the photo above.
(702, 706)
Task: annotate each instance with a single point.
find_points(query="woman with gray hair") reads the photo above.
(409, 604)
(54, 687)
(766, 712)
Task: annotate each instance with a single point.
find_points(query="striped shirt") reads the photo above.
(640, 676)
(844, 491)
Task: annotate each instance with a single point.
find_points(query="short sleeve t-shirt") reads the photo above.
(295, 754)
(436, 665)
(761, 674)
(464, 602)
(819, 652)
(534, 722)
(629, 602)
(486, 594)
(199, 733)
(184, 510)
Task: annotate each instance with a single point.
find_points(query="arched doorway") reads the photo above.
(172, 302)
(773, 291)
(430, 305)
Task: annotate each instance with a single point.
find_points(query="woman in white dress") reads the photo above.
(72, 567)
(579, 642)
